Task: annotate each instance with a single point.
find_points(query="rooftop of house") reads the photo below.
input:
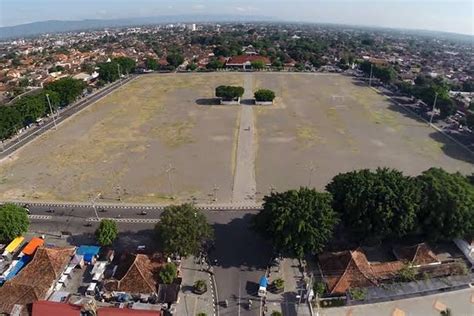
(136, 274)
(35, 280)
(351, 268)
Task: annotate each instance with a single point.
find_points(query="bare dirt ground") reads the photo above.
(326, 124)
(123, 145)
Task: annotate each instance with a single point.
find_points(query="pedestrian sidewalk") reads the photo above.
(190, 304)
(292, 300)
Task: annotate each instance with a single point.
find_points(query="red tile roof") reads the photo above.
(419, 254)
(136, 274)
(240, 60)
(46, 308)
(111, 311)
(36, 279)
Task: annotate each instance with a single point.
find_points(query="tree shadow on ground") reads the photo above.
(238, 245)
(452, 149)
(288, 303)
(208, 101)
(247, 101)
(127, 241)
(449, 147)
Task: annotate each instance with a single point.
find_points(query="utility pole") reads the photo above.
(311, 168)
(94, 206)
(370, 78)
(168, 171)
(51, 110)
(214, 190)
(434, 108)
(119, 74)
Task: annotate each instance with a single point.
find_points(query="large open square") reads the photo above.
(160, 137)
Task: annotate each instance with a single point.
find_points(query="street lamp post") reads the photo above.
(434, 107)
(92, 200)
(370, 78)
(51, 110)
(168, 171)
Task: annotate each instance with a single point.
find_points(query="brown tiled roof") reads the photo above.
(240, 60)
(346, 269)
(34, 281)
(419, 254)
(136, 274)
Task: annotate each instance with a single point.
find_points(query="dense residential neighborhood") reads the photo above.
(372, 233)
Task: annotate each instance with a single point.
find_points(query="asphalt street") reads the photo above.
(239, 259)
(30, 134)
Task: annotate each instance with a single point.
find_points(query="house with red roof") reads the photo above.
(245, 61)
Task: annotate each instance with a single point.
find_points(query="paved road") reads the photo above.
(32, 133)
(239, 259)
(242, 258)
(244, 178)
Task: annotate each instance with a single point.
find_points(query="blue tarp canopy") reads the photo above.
(263, 282)
(88, 252)
(19, 265)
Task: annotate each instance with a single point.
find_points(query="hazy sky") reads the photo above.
(443, 15)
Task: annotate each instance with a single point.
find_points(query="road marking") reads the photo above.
(126, 220)
(41, 217)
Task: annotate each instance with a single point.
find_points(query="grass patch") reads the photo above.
(307, 135)
(175, 134)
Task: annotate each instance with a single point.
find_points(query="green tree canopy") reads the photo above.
(168, 273)
(257, 64)
(215, 64)
(182, 230)
(297, 221)
(13, 222)
(229, 92)
(127, 64)
(67, 88)
(447, 204)
(375, 205)
(107, 232)
(175, 59)
(152, 64)
(264, 95)
(109, 72)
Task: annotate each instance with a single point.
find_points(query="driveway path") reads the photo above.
(244, 177)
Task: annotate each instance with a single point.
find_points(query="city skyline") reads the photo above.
(442, 15)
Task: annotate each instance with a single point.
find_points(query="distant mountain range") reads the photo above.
(56, 26)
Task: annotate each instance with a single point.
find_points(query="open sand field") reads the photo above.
(159, 138)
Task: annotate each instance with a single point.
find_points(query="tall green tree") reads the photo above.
(107, 232)
(375, 205)
(447, 205)
(182, 230)
(67, 88)
(168, 273)
(13, 222)
(109, 72)
(152, 64)
(127, 64)
(297, 221)
(175, 59)
(258, 64)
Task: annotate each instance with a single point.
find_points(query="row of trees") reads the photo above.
(427, 88)
(385, 74)
(370, 206)
(112, 70)
(32, 107)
